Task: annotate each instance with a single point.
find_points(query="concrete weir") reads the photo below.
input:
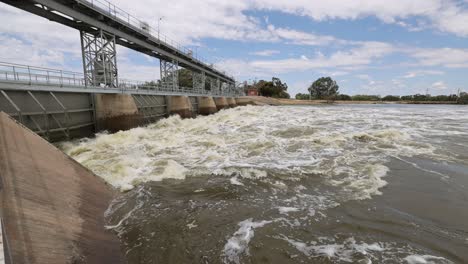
(206, 105)
(52, 207)
(231, 102)
(180, 105)
(221, 103)
(116, 112)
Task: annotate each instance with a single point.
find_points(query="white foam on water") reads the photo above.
(351, 251)
(425, 259)
(342, 252)
(238, 244)
(286, 210)
(235, 180)
(347, 147)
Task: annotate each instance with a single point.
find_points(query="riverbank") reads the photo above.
(260, 100)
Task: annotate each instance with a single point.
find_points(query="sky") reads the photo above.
(369, 46)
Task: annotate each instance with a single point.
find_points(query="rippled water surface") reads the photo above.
(268, 184)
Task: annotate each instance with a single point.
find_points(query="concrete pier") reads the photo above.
(231, 101)
(116, 112)
(180, 105)
(221, 103)
(52, 207)
(206, 105)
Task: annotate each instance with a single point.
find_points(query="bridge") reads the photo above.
(58, 104)
(102, 25)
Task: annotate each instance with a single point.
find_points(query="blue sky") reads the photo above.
(368, 46)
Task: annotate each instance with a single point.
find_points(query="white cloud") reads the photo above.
(265, 53)
(363, 77)
(303, 38)
(439, 85)
(446, 57)
(446, 16)
(334, 73)
(363, 55)
(419, 73)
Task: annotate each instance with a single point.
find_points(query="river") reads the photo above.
(290, 184)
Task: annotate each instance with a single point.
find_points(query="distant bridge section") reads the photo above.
(102, 25)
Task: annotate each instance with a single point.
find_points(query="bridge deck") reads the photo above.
(29, 78)
(90, 15)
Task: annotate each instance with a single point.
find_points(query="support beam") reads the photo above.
(199, 81)
(169, 75)
(99, 59)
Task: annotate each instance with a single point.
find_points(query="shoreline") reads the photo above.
(260, 100)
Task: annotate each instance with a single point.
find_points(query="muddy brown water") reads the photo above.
(315, 184)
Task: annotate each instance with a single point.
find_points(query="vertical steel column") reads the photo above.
(218, 86)
(99, 59)
(198, 81)
(212, 86)
(169, 75)
(224, 88)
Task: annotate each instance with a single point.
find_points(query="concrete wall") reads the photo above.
(221, 103)
(206, 105)
(52, 208)
(55, 116)
(116, 112)
(180, 105)
(61, 116)
(231, 101)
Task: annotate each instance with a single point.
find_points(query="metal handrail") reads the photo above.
(124, 17)
(11, 72)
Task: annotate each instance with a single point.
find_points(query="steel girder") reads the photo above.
(99, 59)
(198, 81)
(169, 74)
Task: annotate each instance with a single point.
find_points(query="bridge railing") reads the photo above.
(38, 75)
(143, 27)
(10, 72)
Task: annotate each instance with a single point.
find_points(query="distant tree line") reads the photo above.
(325, 88)
(462, 99)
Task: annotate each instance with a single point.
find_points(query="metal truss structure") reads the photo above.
(169, 74)
(198, 81)
(99, 59)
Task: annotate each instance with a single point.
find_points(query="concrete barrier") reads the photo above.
(221, 103)
(116, 112)
(180, 105)
(52, 207)
(231, 101)
(206, 105)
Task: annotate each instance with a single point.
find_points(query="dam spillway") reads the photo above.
(59, 116)
(52, 207)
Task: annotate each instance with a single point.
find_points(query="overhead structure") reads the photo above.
(199, 81)
(99, 59)
(103, 25)
(169, 74)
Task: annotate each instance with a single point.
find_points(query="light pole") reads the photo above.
(159, 21)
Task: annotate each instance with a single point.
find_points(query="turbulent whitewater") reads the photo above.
(266, 184)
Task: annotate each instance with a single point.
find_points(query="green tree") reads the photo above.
(463, 99)
(301, 96)
(407, 98)
(324, 88)
(363, 97)
(391, 98)
(185, 78)
(343, 97)
(274, 88)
